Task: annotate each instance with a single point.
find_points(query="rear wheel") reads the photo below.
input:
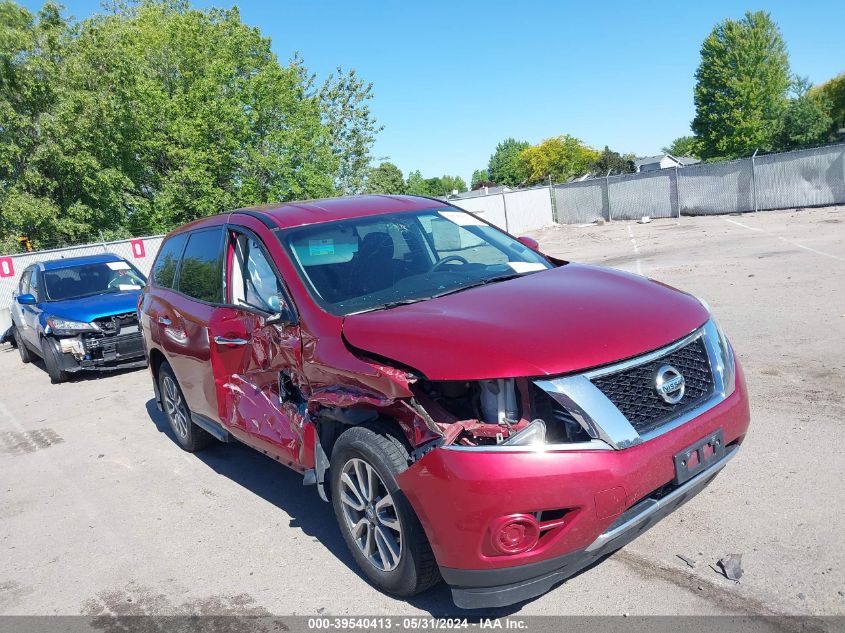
(376, 520)
(188, 435)
(23, 350)
(52, 361)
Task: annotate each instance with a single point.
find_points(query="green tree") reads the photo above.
(447, 184)
(505, 166)
(613, 162)
(479, 176)
(683, 146)
(438, 186)
(741, 87)
(416, 185)
(832, 94)
(806, 120)
(156, 114)
(561, 157)
(345, 102)
(386, 178)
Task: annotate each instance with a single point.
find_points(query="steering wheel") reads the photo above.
(446, 260)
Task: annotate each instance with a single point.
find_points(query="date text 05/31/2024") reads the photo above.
(414, 623)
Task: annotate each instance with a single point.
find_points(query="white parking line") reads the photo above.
(636, 250)
(813, 250)
(745, 226)
(783, 239)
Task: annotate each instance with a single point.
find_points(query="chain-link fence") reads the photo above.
(139, 251)
(802, 178)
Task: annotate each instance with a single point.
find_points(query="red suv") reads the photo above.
(473, 409)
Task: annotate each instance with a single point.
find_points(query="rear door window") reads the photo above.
(164, 269)
(201, 271)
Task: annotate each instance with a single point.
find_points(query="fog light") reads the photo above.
(514, 534)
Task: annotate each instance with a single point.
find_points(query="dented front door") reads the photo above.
(256, 365)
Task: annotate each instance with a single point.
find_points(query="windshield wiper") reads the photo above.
(403, 302)
(390, 304)
(482, 282)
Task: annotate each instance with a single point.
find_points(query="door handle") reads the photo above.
(163, 320)
(223, 340)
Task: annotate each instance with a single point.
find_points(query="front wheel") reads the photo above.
(377, 522)
(189, 436)
(53, 361)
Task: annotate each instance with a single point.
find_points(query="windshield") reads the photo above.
(375, 262)
(85, 280)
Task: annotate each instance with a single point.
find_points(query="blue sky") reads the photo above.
(451, 79)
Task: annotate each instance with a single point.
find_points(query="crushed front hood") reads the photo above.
(553, 322)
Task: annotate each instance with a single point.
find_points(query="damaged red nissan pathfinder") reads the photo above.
(473, 409)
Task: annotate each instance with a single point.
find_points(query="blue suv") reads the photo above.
(79, 313)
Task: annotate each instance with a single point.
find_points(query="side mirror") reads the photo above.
(530, 242)
(26, 300)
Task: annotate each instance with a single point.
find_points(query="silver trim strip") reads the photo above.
(592, 445)
(588, 404)
(646, 358)
(659, 504)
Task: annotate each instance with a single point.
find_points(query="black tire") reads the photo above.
(378, 446)
(23, 350)
(188, 435)
(52, 361)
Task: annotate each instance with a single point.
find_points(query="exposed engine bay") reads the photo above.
(504, 411)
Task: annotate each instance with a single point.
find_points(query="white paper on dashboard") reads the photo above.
(461, 219)
(525, 267)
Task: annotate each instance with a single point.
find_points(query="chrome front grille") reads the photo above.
(633, 390)
(619, 406)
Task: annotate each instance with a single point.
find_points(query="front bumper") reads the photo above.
(603, 494)
(104, 353)
(474, 589)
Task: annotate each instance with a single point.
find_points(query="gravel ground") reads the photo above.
(101, 512)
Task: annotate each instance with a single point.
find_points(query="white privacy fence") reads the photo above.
(139, 251)
(514, 211)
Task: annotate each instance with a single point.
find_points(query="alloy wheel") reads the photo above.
(370, 514)
(175, 408)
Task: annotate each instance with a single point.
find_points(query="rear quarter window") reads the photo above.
(164, 269)
(201, 272)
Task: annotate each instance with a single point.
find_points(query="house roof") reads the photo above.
(681, 160)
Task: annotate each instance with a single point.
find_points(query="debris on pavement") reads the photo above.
(690, 562)
(731, 566)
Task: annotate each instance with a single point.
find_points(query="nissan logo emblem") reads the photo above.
(670, 384)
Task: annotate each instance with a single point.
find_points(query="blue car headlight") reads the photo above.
(59, 325)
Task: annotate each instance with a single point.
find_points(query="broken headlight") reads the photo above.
(531, 435)
(58, 325)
